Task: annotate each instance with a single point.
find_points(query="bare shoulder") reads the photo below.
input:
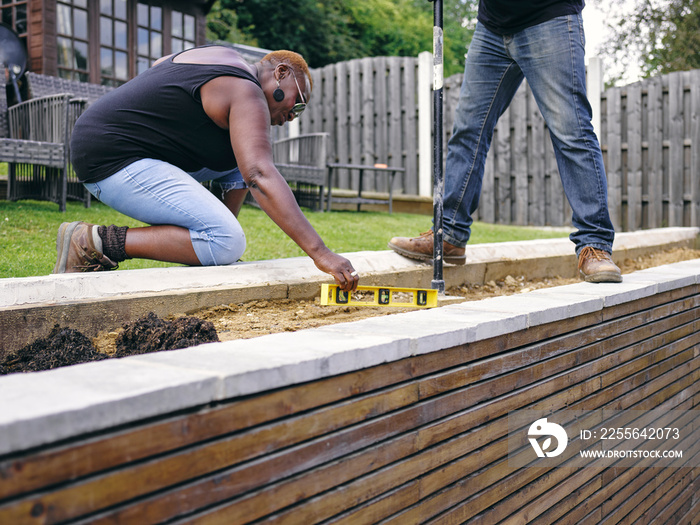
(224, 94)
(214, 55)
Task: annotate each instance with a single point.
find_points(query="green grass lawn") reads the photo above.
(28, 233)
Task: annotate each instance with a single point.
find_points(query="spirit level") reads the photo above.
(331, 294)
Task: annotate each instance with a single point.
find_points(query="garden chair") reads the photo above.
(43, 85)
(302, 162)
(34, 141)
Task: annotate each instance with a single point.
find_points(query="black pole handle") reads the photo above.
(438, 282)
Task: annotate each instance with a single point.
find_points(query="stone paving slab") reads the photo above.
(44, 407)
(49, 406)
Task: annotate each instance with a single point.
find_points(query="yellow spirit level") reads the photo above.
(379, 296)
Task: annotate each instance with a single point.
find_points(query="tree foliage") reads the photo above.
(660, 35)
(338, 30)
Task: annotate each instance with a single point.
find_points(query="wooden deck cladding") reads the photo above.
(420, 440)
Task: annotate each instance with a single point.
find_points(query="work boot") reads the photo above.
(421, 248)
(597, 266)
(79, 249)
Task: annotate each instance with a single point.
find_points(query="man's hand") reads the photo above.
(340, 268)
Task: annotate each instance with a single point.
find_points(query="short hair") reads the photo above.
(292, 59)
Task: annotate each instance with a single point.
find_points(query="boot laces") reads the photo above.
(588, 252)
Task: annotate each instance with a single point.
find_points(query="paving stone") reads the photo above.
(253, 365)
(43, 407)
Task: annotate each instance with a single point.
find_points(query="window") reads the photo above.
(14, 14)
(149, 35)
(110, 41)
(182, 32)
(114, 51)
(72, 39)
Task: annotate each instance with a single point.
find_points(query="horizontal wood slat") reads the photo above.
(411, 441)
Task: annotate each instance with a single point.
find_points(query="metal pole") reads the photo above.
(438, 282)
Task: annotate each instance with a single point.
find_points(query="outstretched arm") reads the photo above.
(247, 118)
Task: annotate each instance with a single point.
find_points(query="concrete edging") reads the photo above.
(89, 302)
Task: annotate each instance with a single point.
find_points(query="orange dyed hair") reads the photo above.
(295, 60)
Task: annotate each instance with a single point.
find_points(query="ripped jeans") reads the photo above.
(158, 193)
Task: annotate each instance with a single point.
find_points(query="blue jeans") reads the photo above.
(158, 193)
(551, 57)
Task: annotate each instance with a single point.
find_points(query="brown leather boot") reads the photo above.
(78, 248)
(597, 266)
(421, 248)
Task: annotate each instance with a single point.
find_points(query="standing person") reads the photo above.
(144, 148)
(542, 41)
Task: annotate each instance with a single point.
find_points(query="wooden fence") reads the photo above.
(651, 144)
(370, 108)
(378, 110)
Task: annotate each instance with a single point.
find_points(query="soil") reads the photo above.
(65, 347)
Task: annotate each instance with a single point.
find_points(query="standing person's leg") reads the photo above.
(491, 78)
(189, 224)
(551, 55)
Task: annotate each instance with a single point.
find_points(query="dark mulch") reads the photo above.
(62, 347)
(152, 334)
(65, 346)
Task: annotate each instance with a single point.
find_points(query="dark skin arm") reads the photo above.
(239, 106)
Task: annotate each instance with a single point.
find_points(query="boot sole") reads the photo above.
(602, 277)
(65, 232)
(457, 260)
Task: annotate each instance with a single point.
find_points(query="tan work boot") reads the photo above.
(79, 249)
(421, 248)
(597, 266)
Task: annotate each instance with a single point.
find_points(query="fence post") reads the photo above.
(425, 145)
(594, 90)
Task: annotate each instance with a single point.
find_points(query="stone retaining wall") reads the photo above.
(401, 418)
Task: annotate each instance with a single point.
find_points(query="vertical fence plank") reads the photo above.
(341, 129)
(675, 149)
(694, 135)
(395, 146)
(409, 123)
(368, 117)
(655, 153)
(634, 156)
(354, 95)
(313, 116)
(330, 109)
(381, 109)
(614, 155)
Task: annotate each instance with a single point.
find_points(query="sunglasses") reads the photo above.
(298, 108)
